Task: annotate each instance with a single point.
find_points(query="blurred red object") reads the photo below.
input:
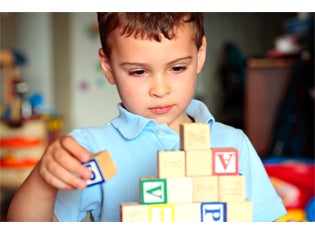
(294, 181)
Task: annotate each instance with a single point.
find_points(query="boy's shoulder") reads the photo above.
(226, 135)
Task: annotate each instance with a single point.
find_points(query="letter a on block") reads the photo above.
(213, 211)
(225, 161)
(153, 191)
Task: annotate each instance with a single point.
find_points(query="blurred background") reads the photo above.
(258, 76)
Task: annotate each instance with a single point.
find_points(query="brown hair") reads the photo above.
(147, 25)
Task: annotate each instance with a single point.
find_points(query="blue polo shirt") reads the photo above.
(133, 142)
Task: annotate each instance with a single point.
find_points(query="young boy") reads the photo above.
(153, 59)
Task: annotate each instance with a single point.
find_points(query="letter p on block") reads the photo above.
(213, 211)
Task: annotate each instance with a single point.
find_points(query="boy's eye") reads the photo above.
(178, 69)
(137, 73)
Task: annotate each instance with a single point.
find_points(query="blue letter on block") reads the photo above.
(97, 176)
(213, 211)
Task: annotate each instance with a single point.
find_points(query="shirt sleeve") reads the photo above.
(73, 205)
(267, 205)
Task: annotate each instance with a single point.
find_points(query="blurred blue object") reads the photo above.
(36, 100)
(19, 58)
(310, 210)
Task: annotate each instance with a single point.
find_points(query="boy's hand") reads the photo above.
(61, 165)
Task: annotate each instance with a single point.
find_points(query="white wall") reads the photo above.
(97, 103)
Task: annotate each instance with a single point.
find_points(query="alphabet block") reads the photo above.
(231, 188)
(198, 162)
(205, 188)
(97, 176)
(161, 213)
(213, 211)
(194, 136)
(171, 164)
(241, 211)
(106, 164)
(179, 190)
(134, 212)
(225, 161)
(103, 168)
(187, 212)
(153, 190)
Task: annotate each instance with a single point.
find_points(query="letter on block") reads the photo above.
(205, 188)
(97, 176)
(213, 211)
(187, 212)
(103, 168)
(194, 136)
(240, 211)
(225, 161)
(153, 190)
(171, 164)
(179, 190)
(198, 162)
(134, 212)
(231, 188)
(161, 213)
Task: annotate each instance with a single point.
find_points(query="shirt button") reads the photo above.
(161, 132)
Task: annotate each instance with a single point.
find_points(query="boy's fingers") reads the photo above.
(75, 149)
(68, 180)
(71, 164)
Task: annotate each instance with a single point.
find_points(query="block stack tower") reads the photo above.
(194, 184)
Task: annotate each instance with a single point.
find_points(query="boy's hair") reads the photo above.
(147, 25)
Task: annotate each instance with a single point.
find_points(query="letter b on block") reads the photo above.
(213, 211)
(97, 177)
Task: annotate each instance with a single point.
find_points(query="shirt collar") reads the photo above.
(130, 125)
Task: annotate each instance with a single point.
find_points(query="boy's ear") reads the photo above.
(106, 66)
(202, 54)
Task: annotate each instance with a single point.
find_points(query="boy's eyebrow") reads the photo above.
(145, 64)
(179, 59)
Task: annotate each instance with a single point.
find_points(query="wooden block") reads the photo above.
(153, 190)
(134, 212)
(102, 166)
(231, 188)
(179, 190)
(198, 162)
(106, 164)
(225, 161)
(161, 213)
(213, 211)
(205, 188)
(194, 136)
(187, 212)
(171, 164)
(97, 176)
(241, 211)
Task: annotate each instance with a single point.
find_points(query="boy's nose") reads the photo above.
(159, 87)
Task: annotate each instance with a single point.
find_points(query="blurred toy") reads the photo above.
(294, 180)
(13, 87)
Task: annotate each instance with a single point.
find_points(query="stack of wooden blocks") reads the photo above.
(196, 183)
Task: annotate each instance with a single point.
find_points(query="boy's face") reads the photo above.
(155, 79)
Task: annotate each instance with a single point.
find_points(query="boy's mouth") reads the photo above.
(161, 109)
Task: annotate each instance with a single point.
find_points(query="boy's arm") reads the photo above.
(59, 168)
(34, 201)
